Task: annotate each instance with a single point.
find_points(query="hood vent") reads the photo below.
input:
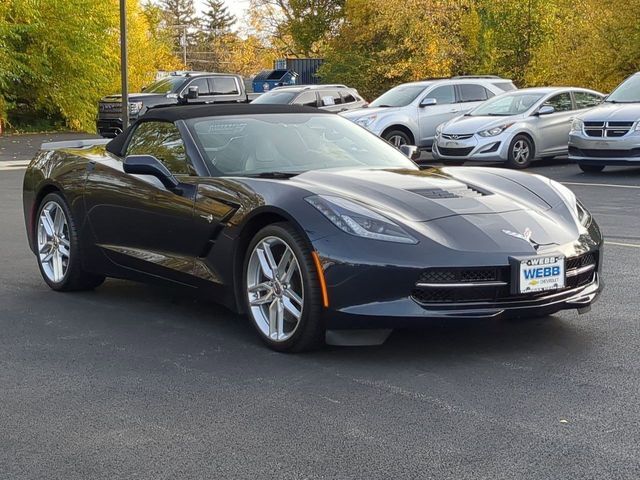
(455, 192)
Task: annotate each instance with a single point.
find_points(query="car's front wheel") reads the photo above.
(281, 290)
(590, 168)
(397, 138)
(521, 152)
(58, 247)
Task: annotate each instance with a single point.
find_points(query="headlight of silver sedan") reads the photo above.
(492, 132)
(358, 220)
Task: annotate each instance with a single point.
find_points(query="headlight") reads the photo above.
(577, 125)
(438, 130)
(492, 132)
(134, 108)
(366, 121)
(358, 220)
(638, 126)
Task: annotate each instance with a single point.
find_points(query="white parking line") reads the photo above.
(14, 164)
(619, 244)
(636, 187)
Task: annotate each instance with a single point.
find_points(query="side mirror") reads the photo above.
(427, 102)
(546, 110)
(192, 93)
(150, 165)
(410, 151)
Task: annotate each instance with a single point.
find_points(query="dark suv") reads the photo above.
(335, 98)
(176, 88)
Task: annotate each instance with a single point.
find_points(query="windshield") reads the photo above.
(281, 98)
(507, 104)
(627, 92)
(399, 96)
(290, 144)
(166, 85)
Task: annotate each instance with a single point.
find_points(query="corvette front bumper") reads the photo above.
(406, 312)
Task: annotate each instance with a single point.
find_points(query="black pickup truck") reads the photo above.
(176, 88)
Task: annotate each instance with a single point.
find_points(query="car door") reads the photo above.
(432, 115)
(470, 95)
(204, 90)
(553, 129)
(224, 89)
(134, 219)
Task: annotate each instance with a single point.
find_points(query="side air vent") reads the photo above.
(455, 192)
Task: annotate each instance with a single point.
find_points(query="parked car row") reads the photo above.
(486, 118)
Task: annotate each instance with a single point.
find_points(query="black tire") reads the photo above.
(590, 168)
(521, 161)
(74, 278)
(397, 138)
(310, 331)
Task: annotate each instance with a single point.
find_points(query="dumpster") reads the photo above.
(306, 68)
(268, 79)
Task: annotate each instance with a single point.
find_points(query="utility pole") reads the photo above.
(123, 64)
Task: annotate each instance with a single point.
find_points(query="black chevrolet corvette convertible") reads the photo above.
(307, 223)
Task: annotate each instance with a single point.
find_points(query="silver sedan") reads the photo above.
(515, 127)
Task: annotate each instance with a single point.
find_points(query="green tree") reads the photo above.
(299, 27)
(60, 63)
(216, 18)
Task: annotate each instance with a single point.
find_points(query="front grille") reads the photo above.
(454, 136)
(435, 285)
(607, 129)
(110, 107)
(607, 154)
(455, 152)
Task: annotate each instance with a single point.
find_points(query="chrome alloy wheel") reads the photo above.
(274, 288)
(54, 245)
(397, 140)
(521, 152)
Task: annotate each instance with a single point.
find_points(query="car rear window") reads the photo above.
(225, 86)
(506, 86)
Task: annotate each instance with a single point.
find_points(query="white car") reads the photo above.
(409, 113)
(515, 127)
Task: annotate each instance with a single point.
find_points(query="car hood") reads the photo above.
(607, 112)
(365, 112)
(425, 195)
(466, 125)
(133, 97)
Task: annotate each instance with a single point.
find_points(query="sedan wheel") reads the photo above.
(54, 246)
(521, 152)
(281, 290)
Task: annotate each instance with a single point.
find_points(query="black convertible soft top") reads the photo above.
(185, 112)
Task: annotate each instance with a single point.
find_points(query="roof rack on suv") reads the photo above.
(478, 76)
(309, 87)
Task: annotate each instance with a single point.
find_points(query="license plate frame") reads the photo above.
(530, 274)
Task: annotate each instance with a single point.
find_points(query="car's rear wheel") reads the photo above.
(590, 168)
(58, 247)
(521, 152)
(281, 290)
(397, 138)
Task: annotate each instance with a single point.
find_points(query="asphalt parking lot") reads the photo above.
(133, 381)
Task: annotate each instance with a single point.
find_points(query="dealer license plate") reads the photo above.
(541, 273)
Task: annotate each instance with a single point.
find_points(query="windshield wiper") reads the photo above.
(618, 101)
(273, 174)
(383, 106)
